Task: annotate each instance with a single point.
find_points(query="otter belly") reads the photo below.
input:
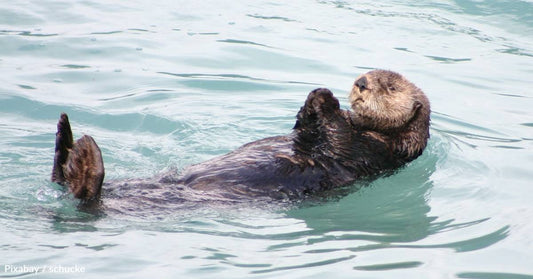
(260, 168)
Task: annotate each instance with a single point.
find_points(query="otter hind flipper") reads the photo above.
(84, 170)
(77, 165)
(64, 143)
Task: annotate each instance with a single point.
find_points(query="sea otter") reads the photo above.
(387, 126)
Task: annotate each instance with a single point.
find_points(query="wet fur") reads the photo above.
(328, 148)
(79, 164)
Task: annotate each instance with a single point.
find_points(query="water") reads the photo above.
(162, 86)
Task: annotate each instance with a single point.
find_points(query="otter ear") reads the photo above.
(417, 105)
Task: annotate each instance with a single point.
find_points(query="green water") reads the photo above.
(168, 84)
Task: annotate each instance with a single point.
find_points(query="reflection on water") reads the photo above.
(391, 212)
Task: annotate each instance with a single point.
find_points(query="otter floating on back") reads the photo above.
(328, 147)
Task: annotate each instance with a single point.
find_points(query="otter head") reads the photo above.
(386, 102)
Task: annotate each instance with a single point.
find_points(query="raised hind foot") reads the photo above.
(77, 165)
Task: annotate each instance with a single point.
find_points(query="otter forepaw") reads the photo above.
(322, 102)
(319, 105)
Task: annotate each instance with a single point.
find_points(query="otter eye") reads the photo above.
(391, 87)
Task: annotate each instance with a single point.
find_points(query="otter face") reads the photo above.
(384, 100)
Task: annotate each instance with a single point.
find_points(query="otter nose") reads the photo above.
(361, 83)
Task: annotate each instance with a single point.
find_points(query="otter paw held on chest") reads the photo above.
(321, 102)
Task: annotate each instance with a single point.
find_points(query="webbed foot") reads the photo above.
(77, 165)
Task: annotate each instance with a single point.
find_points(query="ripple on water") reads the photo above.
(165, 87)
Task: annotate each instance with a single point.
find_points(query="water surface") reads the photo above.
(166, 85)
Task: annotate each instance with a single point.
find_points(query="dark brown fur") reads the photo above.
(328, 148)
(78, 165)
